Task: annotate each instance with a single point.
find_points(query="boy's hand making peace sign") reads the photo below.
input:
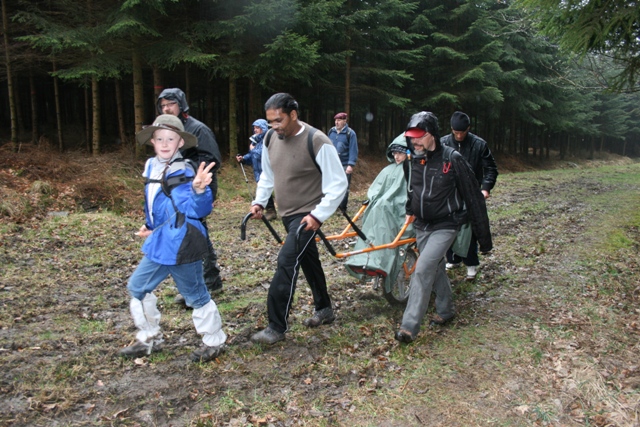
(203, 177)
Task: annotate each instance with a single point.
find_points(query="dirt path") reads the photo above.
(547, 334)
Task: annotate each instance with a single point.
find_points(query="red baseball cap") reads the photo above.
(415, 133)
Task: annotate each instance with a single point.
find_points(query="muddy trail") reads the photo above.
(546, 335)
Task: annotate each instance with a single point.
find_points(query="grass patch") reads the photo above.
(544, 336)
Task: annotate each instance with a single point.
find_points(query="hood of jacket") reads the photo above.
(399, 140)
(426, 121)
(173, 94)
(262, 124)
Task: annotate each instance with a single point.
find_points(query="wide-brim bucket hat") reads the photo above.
(170, 122)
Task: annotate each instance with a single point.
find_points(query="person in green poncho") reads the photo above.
(384, 217)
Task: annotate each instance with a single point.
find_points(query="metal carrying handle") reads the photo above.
(243, 227)
(359, 232)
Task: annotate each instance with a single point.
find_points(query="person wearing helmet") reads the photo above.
(443, 195)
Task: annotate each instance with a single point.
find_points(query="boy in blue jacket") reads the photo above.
(176, 196)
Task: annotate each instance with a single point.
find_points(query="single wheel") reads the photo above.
(399, 292)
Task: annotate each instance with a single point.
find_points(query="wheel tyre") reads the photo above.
(399, 292)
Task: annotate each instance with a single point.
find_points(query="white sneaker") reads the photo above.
(451, 265)
(472, 271)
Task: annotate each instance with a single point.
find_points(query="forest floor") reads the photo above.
(547, 334)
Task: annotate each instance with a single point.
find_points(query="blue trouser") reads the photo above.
(430, 275)
(345, 199)
(188, 277)
(283, 284)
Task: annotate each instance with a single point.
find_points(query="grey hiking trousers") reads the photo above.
(430, 275)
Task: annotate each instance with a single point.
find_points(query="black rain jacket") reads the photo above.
(445, 194)
(207, 150)
(476, 151)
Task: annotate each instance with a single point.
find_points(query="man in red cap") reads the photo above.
(346, 142)
(443, 195)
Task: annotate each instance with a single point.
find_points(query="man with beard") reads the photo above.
(443, 195)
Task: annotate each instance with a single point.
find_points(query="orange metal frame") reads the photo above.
(346, 233)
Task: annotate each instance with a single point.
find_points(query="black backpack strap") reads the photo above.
(267, 138)
(446, 153)
(312, 131)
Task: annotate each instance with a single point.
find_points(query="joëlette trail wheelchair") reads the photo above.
(400, 256)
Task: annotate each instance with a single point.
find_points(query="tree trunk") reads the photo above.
(19, 120)
(95, 104)
(158, 87)
(210, 106)
(563, 148)
(233, 125)
(87, 118)
(347, 87)
(513, 145)
(35, 132)
(138, 98)
(56, 95)
(120, 111)
(187, 84)
(12, 105)
(374, 130)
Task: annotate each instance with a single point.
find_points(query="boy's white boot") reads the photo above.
(146, 317)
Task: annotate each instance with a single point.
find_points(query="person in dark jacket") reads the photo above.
(176, 197)
(173, 101)
(346, 142)
(476, 151)
(443, 195)
(254, 158)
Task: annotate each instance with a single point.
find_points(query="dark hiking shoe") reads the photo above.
(440, 321)
(179, 300)
(270, 214)
(207, 353)
(267, 336)
(141, 349)
(320, 317)
(404, 336)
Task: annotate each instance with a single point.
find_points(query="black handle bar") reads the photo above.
(243, 227)
(353, 225)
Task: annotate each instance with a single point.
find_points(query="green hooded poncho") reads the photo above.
(382, 221)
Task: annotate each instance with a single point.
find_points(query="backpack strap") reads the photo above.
(168, 184)
(312, 131)
(267, 138)
(446, 153)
